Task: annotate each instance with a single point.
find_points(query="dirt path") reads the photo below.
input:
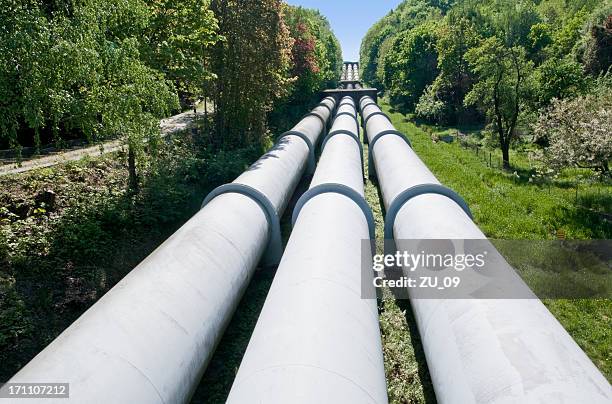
(168, 126)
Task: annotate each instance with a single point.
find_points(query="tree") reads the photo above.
(502, 89)
(411, 65)
(316, 62)
(579, 131)
(558, 79)
(251, 66)
(443, 101)
(326, 52)
(598, 53)
(512, 21)
(539, 38)
(376, 43)
(179, 36)
(74, 69)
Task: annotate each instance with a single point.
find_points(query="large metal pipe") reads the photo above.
(316, 339)
(149, 339)
(478, 351)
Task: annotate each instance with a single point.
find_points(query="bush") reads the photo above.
(558, 79)
(578, 130)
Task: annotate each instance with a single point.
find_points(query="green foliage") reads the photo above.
(563, 39)
(100, 69)
(430, 107)
(540, 36)
(178, 40)
(406, 16)
(411, 65)
(78, 72)
(588, 322)
(566, 37)
(12, 313)
(316, 62)
(443, 100)
(558, 79)
(512, 20)
(251, 65)
(502, 89)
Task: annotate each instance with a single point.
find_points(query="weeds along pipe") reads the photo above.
(316, 340)
(149, 339)
(478, 351)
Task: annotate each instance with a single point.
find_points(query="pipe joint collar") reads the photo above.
(349, 114)
(365, 121)
(322, 104)
(371, 168)
(311, 147)
(338, 189)
(323, 120)
(367, 102)
(274, 250)
(417, 190)
(344, 132)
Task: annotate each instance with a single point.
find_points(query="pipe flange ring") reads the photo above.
(274, 250)
(349, 103)
(337, 189)
(322, 104)
(417, 190)
(371, 168)
(344, 132)
(365, 122)
(311, 149)
(323, 120)
(349, 114)
(368, 102)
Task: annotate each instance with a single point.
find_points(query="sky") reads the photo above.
(350, 19)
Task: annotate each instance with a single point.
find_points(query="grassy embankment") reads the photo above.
(68, 233)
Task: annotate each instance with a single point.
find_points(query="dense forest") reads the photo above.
(100, 69)
(531, 70)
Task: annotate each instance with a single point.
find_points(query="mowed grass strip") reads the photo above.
(406, 371)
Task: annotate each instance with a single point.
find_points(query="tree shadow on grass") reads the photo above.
(595, 224)
(419, 353)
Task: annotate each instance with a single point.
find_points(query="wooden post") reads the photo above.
(576, 193)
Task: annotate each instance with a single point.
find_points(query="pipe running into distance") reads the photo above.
(477, 350)
(150, 338)
(316, 339)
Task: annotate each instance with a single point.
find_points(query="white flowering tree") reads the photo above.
(579, 131)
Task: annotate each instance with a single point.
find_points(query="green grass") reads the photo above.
(406, 371)
(507, 206)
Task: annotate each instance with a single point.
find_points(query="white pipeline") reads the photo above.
(479, 350)
(317, 340)
(149, 339)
